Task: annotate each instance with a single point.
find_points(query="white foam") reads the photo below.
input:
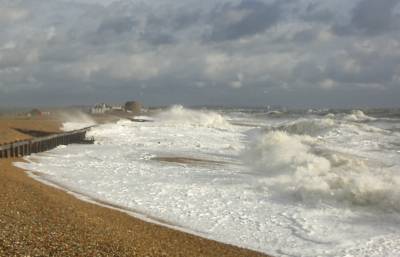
(359, 116)
(144, 118)
(329, 191)
(69, 126)
(76, 120)
(300, 165)
(311, 127)
(177, 114)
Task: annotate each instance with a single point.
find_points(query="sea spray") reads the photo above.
(75, 120)
(358, 116)
(311, 127)
(178, 115)
(305, 167)
(333, 192)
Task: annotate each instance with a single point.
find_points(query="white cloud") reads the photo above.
(236, 84)
(9, 45)
(351, 66)
(325, 35)
(328, 84)
(51, 33)
(217, 64)
(137, 67)
(10, 14)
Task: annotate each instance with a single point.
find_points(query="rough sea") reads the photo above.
(287, 183)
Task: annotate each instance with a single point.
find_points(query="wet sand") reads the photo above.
(39, 220)
(8, 126)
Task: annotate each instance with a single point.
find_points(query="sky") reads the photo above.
(294, 53)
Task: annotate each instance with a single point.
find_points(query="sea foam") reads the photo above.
(315, 170)
(179, 115)
(358, 116)
(75, 120)
(305, 186)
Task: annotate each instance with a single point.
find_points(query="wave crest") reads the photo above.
(295, 165)
(177, 114)
(309, 127)
(358, 116)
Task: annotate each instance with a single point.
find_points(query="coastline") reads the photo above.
(38, 219)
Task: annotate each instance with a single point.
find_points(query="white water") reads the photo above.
(75, 120)
(291, 186)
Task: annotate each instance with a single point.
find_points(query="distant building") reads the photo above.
(35, 112)
(133, 106)
(117, 108)
(100, 108)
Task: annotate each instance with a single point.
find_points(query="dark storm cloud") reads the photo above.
(305, 36)
(314, 12)
(158, 38)
(371, 17)
(248, 18)
(375, 17)
(117, 25)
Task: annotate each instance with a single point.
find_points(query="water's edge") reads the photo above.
(41, 178)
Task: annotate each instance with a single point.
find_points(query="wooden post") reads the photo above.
(11, 151)
(14, 151)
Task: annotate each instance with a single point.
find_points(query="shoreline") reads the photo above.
(82, 225)
(38, 176)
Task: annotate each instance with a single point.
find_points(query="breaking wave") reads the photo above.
(320, 127)
(311, 127)
(303, 166)
(358, 116)
(75, 120)
(177, 114)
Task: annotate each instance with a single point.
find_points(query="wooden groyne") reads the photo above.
(42, 144)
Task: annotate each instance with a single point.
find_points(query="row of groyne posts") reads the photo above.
(42, 144)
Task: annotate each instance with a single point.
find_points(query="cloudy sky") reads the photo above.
(296, 53)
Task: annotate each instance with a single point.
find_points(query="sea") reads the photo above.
(318, 182)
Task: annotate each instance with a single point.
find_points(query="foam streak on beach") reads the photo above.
(316, 183)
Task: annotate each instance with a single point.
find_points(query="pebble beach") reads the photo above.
(39, 220)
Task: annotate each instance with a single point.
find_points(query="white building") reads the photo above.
(100, 108)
